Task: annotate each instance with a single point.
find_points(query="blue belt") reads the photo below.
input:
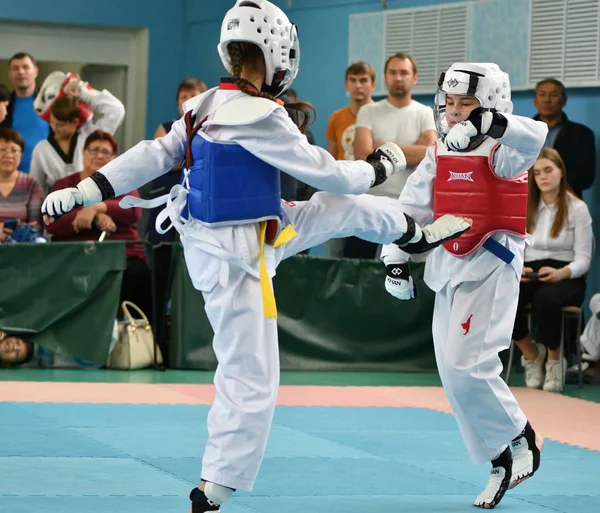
(502, 252)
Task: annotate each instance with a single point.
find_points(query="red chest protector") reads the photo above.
(466, 186)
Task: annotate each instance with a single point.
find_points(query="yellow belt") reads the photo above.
(268, 296)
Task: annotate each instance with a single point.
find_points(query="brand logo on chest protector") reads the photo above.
(468, 177)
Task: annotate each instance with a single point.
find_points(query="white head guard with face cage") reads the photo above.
(266, 25)
(483, 80)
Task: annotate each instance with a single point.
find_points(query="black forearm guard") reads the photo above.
(379, 168)
(410, 232)
(104, 185)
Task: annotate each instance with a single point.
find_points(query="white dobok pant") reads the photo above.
(472, 323)
(245, 342)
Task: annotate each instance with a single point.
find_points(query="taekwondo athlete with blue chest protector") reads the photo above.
(235, 139)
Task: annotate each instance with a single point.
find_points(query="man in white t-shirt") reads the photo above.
(398, 119)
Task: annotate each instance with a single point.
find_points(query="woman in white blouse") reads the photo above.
(561, 254)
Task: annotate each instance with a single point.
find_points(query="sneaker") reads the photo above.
(574, 369)
(498, 482)
(201, 504)
(526, 452)
(572, 376)
(534, 369)
(587, 361)
(555, 376)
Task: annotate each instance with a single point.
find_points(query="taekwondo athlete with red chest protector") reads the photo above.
(476, 169)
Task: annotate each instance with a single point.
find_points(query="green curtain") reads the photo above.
(333, 314)
(62, 296)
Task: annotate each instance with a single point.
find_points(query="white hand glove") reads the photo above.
(386, 160)
(399, 282)
(445, 228)
(459, 136)
(480, 121)
(392, 157)
(60, 202)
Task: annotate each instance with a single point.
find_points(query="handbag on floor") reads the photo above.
(135, 345)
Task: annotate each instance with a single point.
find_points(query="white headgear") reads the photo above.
(266, 25)
(484, 80)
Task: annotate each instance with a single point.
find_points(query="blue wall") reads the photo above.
(184, 35)
(323, 29)
(163, 19)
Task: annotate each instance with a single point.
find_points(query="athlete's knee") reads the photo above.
(256, 392)
(463, 372)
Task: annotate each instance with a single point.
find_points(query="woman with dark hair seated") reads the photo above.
(88, 223)
(20, 195)
(554, 270)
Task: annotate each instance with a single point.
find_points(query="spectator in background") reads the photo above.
(292, 97)
(20, 195)
(14, 351)
(87, 223)
(590, 347)
(574, 142)
(21, 116)
(562, 227)
(292, 189)
(17, 352)
(4, 101)
(161, 255)
(61, 154)
(189, 88)
(398, 119)
(359, 84)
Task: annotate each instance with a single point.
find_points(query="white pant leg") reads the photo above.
(442, 312)
(247, 377)
(487, 413)
(329, 216)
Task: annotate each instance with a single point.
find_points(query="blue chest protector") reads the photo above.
(228, 184)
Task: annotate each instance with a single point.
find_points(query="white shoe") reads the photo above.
(526, 459)
(534, 369)
(586, 362)
(555, 376)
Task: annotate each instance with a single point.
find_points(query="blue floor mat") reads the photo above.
(130, 458)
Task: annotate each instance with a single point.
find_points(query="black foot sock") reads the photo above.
(200, 504)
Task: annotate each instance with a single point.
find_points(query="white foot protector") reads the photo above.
(525, 461)
(494, 490)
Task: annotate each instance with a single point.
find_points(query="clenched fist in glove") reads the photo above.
(60, 202)
(419, 239)
(398, 281)
(479, 122)
(386, 160)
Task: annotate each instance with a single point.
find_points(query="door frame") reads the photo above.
(116, 46)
